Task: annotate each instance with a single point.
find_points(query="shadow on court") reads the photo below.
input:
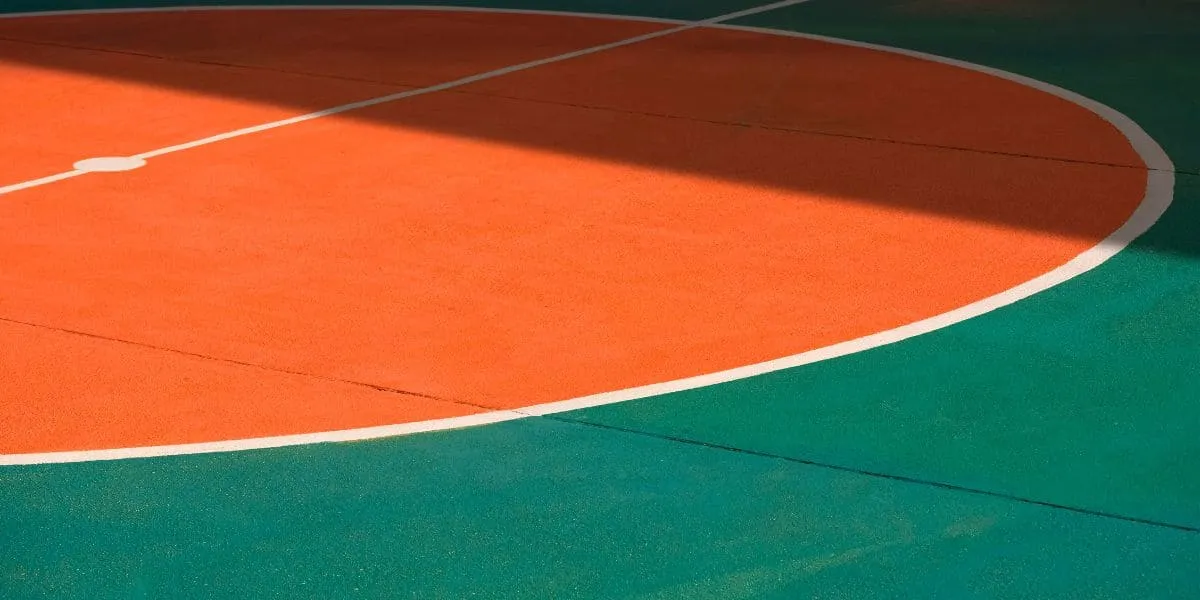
(667, 90)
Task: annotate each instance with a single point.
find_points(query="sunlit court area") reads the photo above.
(600, 299)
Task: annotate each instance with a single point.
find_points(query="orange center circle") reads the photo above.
(693, 203)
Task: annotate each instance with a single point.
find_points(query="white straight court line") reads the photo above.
(684, 26)
(1158, 195)
(24, 185)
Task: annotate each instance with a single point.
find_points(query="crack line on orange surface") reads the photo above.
(232, 361)
(760, 126)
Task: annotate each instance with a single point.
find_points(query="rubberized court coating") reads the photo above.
(488, 284)
(773, 414)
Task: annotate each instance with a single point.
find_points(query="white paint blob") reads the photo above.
(109, 164)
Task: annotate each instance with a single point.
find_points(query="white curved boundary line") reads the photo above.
(1160, 184)
(334, 7)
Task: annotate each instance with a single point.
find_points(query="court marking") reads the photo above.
(109, 164)
(684, 26)
(348, 7)
(1157, 198)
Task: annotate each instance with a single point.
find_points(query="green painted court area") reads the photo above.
(1047, 449)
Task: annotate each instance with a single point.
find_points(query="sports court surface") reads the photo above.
(600, 299)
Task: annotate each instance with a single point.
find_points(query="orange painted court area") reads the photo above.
(685, 205)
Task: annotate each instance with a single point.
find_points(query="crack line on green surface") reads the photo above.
(879, 475)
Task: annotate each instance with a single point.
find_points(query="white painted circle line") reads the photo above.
(110, 164)
(343, 7)
(1160, 184)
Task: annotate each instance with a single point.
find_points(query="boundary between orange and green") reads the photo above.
(1156, 199)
